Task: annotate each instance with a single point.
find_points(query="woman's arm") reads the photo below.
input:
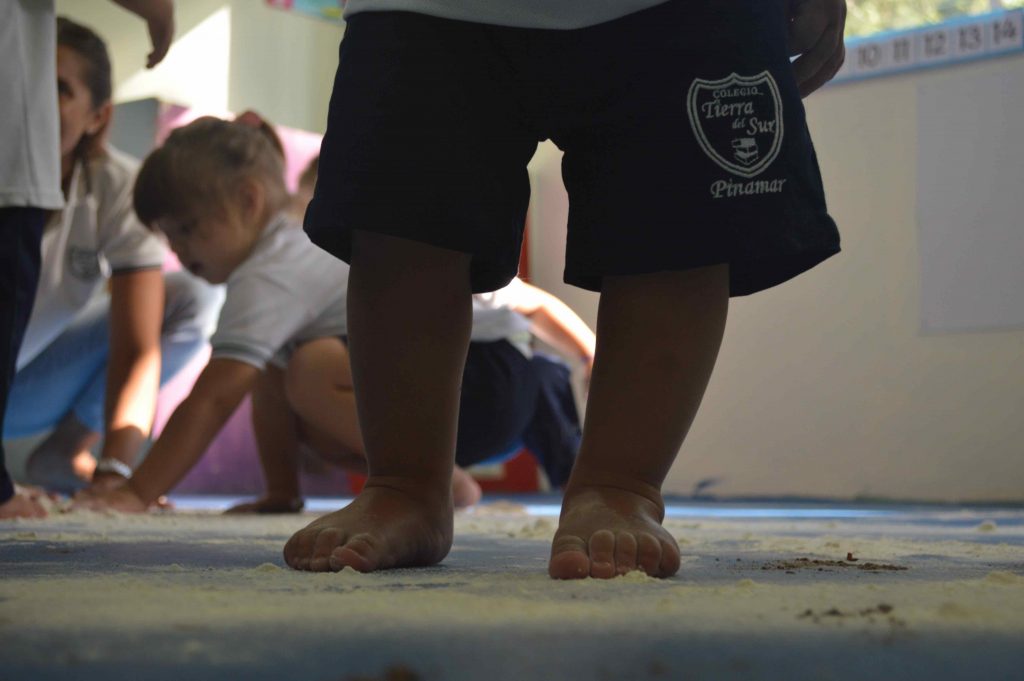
(556, 324)
(191, 428)
(133, 371)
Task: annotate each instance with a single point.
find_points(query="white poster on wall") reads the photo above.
(971, 201)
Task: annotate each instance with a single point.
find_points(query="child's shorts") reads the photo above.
(684, 137)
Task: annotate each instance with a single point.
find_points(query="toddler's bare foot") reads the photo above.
(608, 531)
(465, 490)
(392, 523)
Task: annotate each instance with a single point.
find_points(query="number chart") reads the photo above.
(967, 39)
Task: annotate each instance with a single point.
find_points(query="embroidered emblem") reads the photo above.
(738, 121)
(83, 263)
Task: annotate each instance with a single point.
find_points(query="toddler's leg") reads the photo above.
(409, 317)
(319, 388)
(658, 336)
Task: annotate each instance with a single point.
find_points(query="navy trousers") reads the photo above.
(21, 232)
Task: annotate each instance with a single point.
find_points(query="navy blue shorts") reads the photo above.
(509, 400)
(684, 137)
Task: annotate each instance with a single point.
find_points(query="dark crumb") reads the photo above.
(869, 614)
(806, 563)
(850, 558)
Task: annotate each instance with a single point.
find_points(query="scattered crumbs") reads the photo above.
(1004, 577)
(267, 567)
(637, 576)
(880, 609)
(870, 615)
(832, 545)
(501, 507)
(987, 526)
(746, 583)
(25, 535)
(544, 525)
(824, 565)
(176, 567)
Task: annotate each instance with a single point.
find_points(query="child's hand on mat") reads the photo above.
(24, 504)
(122, 499)
(816, 30)
(269, 504)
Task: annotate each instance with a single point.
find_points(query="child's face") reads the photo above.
(210, 246)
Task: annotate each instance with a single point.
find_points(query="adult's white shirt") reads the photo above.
(560, 14)
(95, 236)
(29, 119)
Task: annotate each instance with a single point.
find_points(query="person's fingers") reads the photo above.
(160, 35)
(807, 21)
(818, 64)
(826, 74)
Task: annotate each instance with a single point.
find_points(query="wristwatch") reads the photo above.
(116, 466)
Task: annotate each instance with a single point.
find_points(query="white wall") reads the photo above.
(229, 55)
(825, 386)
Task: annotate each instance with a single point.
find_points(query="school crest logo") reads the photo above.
(738, 121)
(83, 263)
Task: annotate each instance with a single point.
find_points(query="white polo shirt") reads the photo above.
(29, 121)
(561, 14)
(96, 235)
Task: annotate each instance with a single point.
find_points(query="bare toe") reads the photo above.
(625, 553)
(608, 531)
(327, 540)
(602, 554)
(569, 559)
(649, 554)
(360, 553)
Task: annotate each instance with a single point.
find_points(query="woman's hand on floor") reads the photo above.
(269, 504)
(24, 504)
(121, 498)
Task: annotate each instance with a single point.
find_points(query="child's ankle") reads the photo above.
(591, 479)
(427, 489)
